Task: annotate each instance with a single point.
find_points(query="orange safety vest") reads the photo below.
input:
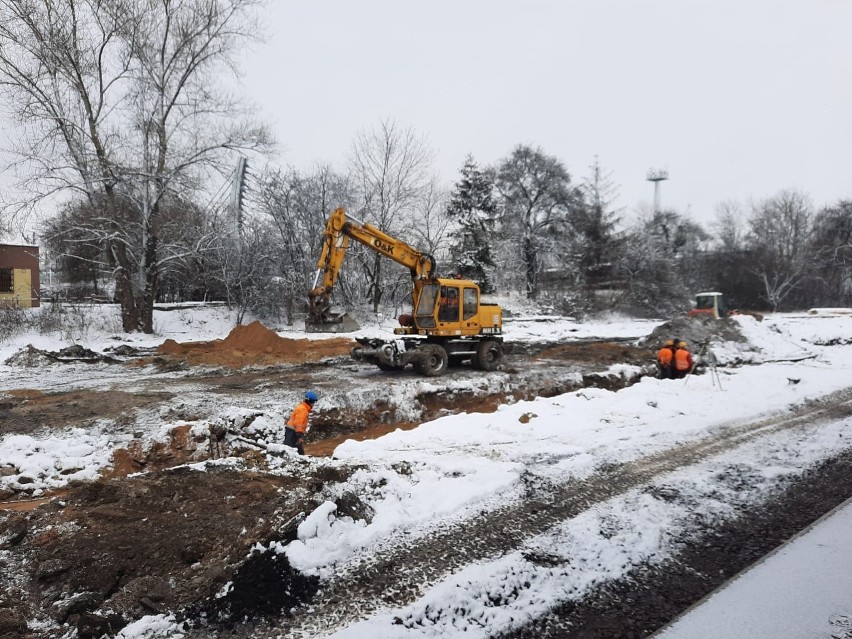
(664, 356)
(683, 360)
(299, 419)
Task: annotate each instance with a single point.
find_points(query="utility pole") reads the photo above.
(656, 176)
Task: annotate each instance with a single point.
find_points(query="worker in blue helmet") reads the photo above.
(297, 425)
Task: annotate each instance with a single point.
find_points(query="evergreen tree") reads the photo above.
(472, 207)
(599, 244)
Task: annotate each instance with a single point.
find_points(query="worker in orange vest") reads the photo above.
(664, 359)
(682, 360)
(297, 425)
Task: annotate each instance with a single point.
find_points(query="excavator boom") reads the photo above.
(339, 230)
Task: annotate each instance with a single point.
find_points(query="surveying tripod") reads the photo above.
(706, 353)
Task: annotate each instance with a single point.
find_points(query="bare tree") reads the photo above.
(429, 224)
(64, 68)
(298, 205)
(831, 245)
(75, 238)
(729, 226)
(390, 167)
(243, 262)
(118, 98)
(780, 231)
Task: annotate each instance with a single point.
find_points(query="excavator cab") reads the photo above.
(710, 304)
(437, 304)
(451, 308)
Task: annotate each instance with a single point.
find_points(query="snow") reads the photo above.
(53, 461)
(161, 626)
(458, 465)
(601, 543)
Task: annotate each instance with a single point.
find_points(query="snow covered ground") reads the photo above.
(463, 461)
(462, 464)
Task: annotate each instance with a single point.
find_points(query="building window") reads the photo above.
(7, 282)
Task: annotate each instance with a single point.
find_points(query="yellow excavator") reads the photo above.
(449, 322)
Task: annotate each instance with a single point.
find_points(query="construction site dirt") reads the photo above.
(93, 555)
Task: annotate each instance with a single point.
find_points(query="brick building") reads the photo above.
(19, 276)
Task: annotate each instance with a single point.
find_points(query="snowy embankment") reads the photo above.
(461, 460)
(464, 462)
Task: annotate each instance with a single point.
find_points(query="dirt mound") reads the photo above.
(256, 345)
(694, 331)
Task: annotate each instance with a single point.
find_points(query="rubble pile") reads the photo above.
(32, 357)
(694, 331)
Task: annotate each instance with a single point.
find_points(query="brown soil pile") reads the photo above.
(255, 345)
(141, 546)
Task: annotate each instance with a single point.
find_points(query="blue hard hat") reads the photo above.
(311, 396)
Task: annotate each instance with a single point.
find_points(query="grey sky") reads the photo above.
(737, 99)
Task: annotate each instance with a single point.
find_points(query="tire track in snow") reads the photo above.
(402, 574)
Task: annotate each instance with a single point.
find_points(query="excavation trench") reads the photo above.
(185, 399)
(333, 427)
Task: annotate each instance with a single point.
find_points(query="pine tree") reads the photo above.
(472, 206)
(599, 243)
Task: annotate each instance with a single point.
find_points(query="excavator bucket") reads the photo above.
(339, 323)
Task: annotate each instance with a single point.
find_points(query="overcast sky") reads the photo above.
(737, 99)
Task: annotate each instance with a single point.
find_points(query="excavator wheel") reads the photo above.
(489, 354)
(434, 361)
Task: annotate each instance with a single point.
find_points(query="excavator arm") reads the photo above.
(339, 230)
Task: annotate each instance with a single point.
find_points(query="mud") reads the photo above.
(153, 535)
(168, 540)
(22, 412)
